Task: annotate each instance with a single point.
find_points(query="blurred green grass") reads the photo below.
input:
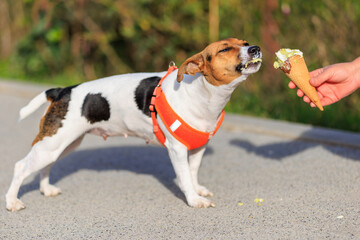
(11, 71)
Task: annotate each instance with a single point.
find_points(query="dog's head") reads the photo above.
(223, 61)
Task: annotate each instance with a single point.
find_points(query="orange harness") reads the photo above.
(182, 131)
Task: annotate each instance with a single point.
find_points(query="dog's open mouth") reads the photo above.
(253, 62)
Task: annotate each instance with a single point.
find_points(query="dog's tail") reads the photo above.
(34, 104)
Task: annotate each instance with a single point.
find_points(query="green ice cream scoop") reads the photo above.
(283, 55)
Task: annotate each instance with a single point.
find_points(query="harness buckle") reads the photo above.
(172, 64)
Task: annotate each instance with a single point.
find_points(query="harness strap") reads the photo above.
(157, 131)
(183, 132)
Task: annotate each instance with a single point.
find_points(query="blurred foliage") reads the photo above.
(66, 42)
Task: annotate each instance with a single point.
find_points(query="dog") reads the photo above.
(119, 106)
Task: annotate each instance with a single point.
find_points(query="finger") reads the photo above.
(316, 72)
(321, 78)
(306, 99)
(292, 85)
(312, 104)
(300, 93)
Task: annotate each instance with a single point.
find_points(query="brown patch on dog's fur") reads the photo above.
(51, 121)
(222, 67)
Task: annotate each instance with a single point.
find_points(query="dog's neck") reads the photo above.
(197, 101)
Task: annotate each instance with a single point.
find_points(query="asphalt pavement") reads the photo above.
(270, 179)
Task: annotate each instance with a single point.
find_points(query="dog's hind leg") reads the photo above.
(46, 188)
(42, 154)
(35, 160)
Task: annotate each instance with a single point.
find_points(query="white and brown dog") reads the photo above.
(119, 106)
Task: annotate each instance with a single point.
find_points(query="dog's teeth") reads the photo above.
(251, 61)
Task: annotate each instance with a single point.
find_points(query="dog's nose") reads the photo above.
(253, 50)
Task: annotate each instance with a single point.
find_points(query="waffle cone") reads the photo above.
(299, 74)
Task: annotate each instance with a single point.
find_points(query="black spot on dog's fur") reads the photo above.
(51, 121)
(144, 92)
(208, 58)
(95, 108)
(55, 94)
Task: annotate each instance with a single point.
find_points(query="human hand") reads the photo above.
(333, 82)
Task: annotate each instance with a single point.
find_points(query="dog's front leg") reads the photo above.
(195, 157)
(179, 158)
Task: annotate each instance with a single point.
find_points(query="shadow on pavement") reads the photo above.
(278, 151)
(149, 160)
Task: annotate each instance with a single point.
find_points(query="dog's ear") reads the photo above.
(191, 66)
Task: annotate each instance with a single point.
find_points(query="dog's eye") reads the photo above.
(246, 44)
(225, 49)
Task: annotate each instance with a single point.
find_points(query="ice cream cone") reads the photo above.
(299, 74)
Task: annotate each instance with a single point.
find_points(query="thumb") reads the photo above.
(322, 76)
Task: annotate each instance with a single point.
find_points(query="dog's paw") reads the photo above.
(14, 205)
(50, 191)
(200, 202)
(203, 191)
